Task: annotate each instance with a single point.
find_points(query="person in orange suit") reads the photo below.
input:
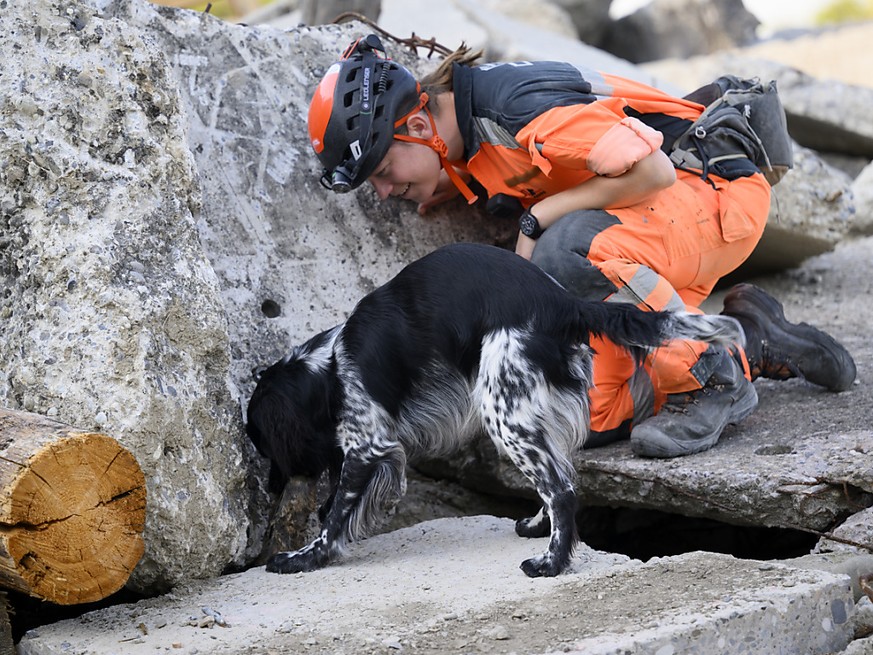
(584, 158)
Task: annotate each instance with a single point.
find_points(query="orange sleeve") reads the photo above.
(598, 137)
(623, 145)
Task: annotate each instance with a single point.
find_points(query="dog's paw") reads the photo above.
(534, 527)
(296, 562)
(543, 566)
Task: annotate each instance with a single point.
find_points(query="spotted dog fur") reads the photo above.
(468, 338)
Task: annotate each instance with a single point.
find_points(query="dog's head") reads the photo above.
(291, 416)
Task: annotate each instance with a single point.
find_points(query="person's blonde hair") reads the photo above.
(440, 80)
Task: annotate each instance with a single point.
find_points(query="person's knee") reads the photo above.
(560, 249)
(555, 256)
(562, 253)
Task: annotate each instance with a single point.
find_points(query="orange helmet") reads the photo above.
(353, 113)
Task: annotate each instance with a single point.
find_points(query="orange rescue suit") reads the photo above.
(532, 129)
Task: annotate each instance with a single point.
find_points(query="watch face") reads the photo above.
(528, 224)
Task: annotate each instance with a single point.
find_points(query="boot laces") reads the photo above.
(678, 403)
(774, 364)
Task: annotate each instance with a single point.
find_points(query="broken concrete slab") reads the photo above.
(823, 114)
(801, 482)
(680, 28)
(857, 529)
(112, 316)
(810, 483)
(452, 585)
(862, 188)
(837, 52)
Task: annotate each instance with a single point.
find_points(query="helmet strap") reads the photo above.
(368, 102)
(439, 146)
(368, 49)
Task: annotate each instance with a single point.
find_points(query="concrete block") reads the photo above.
(453, 585)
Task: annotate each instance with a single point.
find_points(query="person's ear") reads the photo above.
(418, 126)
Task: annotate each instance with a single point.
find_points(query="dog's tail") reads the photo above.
(639, 331)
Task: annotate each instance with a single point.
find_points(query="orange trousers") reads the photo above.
(666, 252)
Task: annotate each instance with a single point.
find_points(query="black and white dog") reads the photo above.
(469, 337)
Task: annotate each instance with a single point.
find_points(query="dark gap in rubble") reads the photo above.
(643, 534)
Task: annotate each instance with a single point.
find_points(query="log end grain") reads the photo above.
(71, 520)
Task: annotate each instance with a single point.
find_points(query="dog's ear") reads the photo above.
(290, 419)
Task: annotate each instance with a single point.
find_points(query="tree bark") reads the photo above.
(72, 510)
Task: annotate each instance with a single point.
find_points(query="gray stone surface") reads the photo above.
(862, 189)
(112, 317)
(823, 114)
(680, 28)
(510, 39)
(591, 17)
(453, 586)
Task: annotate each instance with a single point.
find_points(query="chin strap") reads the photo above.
(437, 145)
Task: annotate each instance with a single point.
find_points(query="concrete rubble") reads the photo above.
(156, 160)
(453, 586)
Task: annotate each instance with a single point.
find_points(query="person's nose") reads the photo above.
(383, 188)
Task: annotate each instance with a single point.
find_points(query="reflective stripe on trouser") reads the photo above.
(665, 253)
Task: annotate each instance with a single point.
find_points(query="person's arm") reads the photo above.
(646, 177)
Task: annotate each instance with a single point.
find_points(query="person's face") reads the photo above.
(410, 171)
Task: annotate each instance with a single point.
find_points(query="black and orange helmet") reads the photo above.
(353, 113)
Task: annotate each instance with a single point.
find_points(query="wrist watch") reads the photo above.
(529, 225)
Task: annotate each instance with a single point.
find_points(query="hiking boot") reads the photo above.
(693, 421)
(778, 350)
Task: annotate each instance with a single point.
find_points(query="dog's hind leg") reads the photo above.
(563, 539)
(514, 401)
(557, 518)
(536, 526)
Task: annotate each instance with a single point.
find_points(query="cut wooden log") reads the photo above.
(72, 510)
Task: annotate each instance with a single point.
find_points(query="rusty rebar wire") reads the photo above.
(414, 42)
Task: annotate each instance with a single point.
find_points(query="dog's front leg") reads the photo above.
(329, 542)
(368, 486)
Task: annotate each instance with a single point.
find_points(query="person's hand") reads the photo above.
(445, 191)
(439, 197)
(524, 246)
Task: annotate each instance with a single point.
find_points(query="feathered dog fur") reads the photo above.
(469, 337)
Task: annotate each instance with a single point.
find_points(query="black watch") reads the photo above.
(529, 225)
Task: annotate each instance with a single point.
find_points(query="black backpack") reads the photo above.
(742, 128)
